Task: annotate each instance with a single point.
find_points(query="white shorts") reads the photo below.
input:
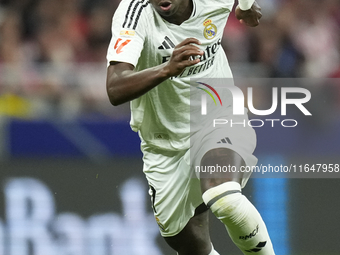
(174, 184)
(230, 131)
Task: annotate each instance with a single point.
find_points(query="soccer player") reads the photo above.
(157, 46)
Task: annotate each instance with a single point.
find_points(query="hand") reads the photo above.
(181, 56)
(249, 17)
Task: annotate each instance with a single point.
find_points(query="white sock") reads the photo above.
(243, 222)
(213, 252)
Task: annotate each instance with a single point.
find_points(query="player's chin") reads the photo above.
(167, 13)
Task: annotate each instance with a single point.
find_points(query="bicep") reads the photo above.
(119, 67)
(117, 85)
(117, 70)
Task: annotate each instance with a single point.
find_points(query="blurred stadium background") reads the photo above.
(71, 181)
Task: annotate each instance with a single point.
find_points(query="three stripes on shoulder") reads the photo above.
(133, 13)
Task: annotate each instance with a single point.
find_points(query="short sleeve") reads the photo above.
(128, 32)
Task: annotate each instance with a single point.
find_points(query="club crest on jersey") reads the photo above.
(210, 30)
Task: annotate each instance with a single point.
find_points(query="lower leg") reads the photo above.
(223, 195)
(194, 238)
(243, 222)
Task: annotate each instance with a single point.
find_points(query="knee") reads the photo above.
(220, 166)
(222, 156)
(209, 183)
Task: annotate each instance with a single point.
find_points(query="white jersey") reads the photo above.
(142, 38)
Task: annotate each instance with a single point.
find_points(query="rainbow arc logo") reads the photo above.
(204, 98)
(209, 93)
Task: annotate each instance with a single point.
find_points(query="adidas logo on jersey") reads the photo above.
(225, 140)
(166, 44)
(161, 136)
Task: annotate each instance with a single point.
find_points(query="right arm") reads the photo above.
(123, 84)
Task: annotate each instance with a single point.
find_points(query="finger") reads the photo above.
(188, 53)
(188, 41)
(186, 48)
(191, 48)
(256, 23)
(251, 23)
(190, 62)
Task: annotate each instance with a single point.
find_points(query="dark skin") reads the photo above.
(125, 84)
(249, 17)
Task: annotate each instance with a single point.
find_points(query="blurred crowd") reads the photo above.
(52, 58)
(296, 38)
(52, 52)
(55, 31)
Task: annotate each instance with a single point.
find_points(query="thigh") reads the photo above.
(194, 238)
(174, 193)
(224, 148)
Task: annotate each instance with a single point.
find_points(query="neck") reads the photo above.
(183, 13)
